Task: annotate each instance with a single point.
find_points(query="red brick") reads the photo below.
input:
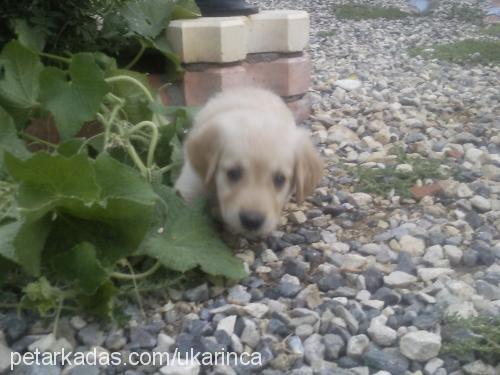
(199, 86)
(301, 108)
(286, 76)
(418, 192)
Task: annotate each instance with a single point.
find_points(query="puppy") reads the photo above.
(246, 154)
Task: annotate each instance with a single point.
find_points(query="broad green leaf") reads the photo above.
(9, 141)
(8, 233)
(174, 68)
(185, 9)
(70, 147)
(73, 102)
(80, 264)
(29, 243)
(101, 302)
(19, 73)
(30, 37)
(136, 104)
(147, 18)
(103, 202)
(187, 239)
(22, 242)
(48, 181)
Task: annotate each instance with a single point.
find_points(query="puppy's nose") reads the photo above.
(251, 220)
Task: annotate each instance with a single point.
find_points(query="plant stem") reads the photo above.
(137, 56)
(132, 276)
(154, 139)
(133, 81)
(55, 57)
(58, 316)
(36, 139)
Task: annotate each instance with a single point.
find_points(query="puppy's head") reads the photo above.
(253, 169)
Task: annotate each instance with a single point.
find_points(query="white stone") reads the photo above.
(209, 39)
(433, 365)
(5, 354)
(480, 203)
(380, 333)
(298, 217)
(268, 256)
(474, 155)
(412, 245)
(420, 345)
(77, 322)
(479, 368)
(428, 274)
(357, 345)
(433, 254)
(348, 84)
(399, 279)
(43, 344)
(362, 199)
(463, 191)
(227, 324)
(164, 343)
(454, 254)
(278, 31)
(181, 367)
(462, 310)
(405, 168)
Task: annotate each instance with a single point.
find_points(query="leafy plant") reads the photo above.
(361, 12)
(465, 13)
(124, 29)
(74, 214)
(468, 51)
(477, 337)
(381, 181)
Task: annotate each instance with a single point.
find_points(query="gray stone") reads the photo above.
(334, 346)
(488, 290)
(357, 345)
(289, 286)
(399, 279)
(197, 294)
(420, 345)
(238, 295)
(314, 349)
(391, 361)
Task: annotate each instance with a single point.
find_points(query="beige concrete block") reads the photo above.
(278, 31)
(209, 39)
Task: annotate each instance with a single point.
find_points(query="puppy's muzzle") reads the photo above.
(251, 220)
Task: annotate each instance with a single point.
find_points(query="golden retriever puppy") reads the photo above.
(247, 155)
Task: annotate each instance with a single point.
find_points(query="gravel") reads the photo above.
(353, 282)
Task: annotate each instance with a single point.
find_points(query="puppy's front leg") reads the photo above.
(189, 184)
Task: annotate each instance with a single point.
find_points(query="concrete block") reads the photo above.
(209, 39)
(278, 31)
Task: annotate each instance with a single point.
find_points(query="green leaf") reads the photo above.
(73, 102)
(30, 37)
(19, 73)
(136, 104)
(187, 239)
(174, 68)
(147, 18)
(80, 264)
(185, 9)
(9, 141)
(101, 302)
(70, 147)
(48, 181)
(103, 202)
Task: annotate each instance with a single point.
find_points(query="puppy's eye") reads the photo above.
(234, 174)
(279, 180)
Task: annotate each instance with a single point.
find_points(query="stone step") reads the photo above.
(230, 39)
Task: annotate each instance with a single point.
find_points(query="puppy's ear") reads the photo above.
(203, 150)
(308, 167)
